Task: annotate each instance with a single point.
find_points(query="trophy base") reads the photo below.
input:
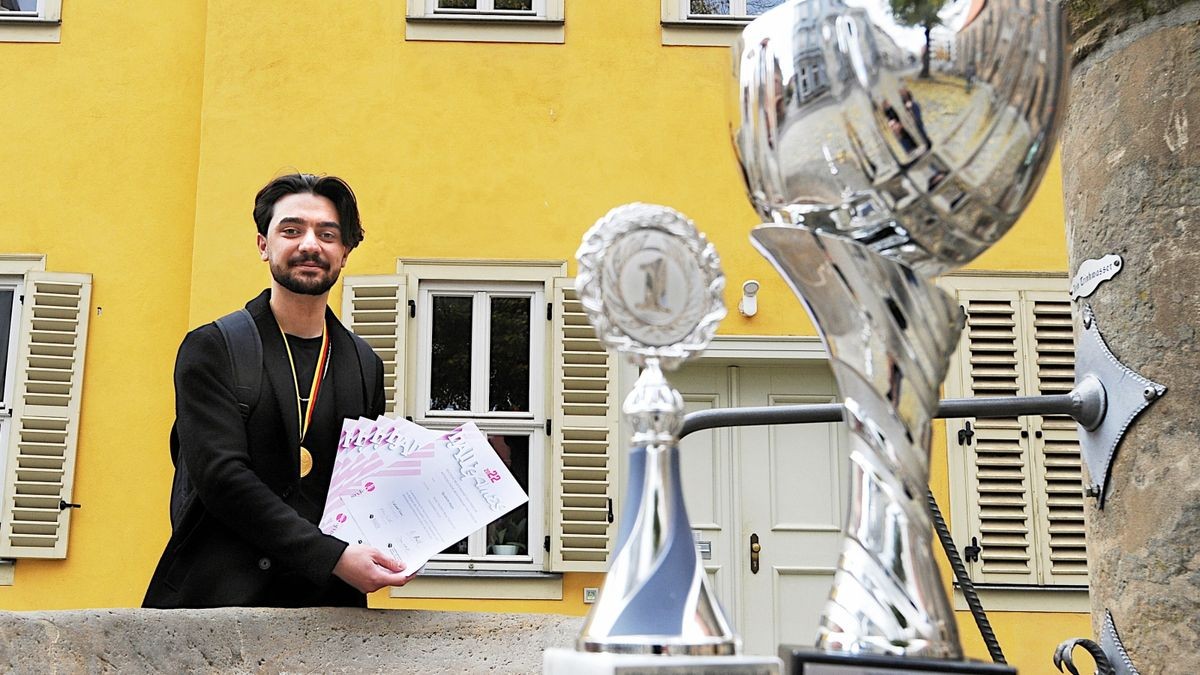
(571, 662)
(809, 661)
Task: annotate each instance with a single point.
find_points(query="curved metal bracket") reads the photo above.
(1125, 394)
(1064, 656)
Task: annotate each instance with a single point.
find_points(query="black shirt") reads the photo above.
(322, 436)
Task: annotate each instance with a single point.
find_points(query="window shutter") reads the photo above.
(584, 409)
(40, 457)
(997, 473)
(375, 308)
(1055, 444)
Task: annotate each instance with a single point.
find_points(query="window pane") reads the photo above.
(509, 534)
(18, 5)
(515, 4)
(6, 305)
(508, 381)
(456, 4)
(756, 7)
(709, 7)
(450, 354)
(457, 548)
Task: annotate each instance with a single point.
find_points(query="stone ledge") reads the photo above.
(238, 640)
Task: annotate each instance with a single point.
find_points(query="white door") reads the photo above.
(781, 486)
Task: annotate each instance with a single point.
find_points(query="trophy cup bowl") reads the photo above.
(920, 134)
(885, 142)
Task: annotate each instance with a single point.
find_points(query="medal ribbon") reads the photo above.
(304, 416)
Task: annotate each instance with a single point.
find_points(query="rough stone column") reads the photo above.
(1131, 181)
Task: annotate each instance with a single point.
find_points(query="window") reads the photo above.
(30, 20)
(734, 9)
(715, 23)
(45, 317)
(486, 20)
(481, 357)
(10, 319)
(507, 345)
(1016, 485)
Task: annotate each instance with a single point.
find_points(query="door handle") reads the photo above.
(755, 547)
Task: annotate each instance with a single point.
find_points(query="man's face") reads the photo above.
(303, 245)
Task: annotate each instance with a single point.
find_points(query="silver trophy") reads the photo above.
(886, 142)
(652, 288)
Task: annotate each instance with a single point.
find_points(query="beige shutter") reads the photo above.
(1054, 443)
(997, 480)
(40, 457)
(584, 440)
(375, 307)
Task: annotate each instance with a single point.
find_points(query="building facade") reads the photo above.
(482, 138)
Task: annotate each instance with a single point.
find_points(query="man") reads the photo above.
(250, 483)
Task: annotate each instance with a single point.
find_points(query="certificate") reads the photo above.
(411, 492)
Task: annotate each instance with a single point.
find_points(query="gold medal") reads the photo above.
(306, 462)
(303, 418)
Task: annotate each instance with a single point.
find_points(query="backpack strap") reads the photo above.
(245, 357)
(366, 364)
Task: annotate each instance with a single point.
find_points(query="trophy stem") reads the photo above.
(655, 598)
(890, 335)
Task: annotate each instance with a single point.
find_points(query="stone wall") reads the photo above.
(1131, 183)
(279, 640)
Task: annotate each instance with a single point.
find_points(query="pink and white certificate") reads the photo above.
(416, 495)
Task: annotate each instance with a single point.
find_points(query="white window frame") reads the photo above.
(682, 28)
(532, 422)
(481, 294)
(17, 284)
(544, 24)
(12, 274)
(425, 277)
(42, 25)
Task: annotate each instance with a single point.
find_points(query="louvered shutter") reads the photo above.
(375, 307)
(40, 457)
(999, 515)
(1054, 444)
(584, 440)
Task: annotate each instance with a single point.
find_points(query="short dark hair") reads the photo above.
(332, 188)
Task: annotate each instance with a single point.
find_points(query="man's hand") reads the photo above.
(368, 569)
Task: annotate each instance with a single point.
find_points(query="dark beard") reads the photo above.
(301, 286)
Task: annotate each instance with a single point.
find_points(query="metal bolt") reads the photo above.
(1150, 393)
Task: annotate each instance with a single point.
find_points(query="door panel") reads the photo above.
(705, 458)
(784, 483)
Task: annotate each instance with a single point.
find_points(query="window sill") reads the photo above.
(483, 585)
(1003, 598)
(477, 28)
(30, 30)
(702, 32)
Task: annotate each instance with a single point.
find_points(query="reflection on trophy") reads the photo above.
(652, 286)
(881, 154)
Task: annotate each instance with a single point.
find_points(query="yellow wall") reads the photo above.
(100, 146)
(135, 147)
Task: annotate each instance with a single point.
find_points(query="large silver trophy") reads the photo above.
(886, 142)
(652, 288)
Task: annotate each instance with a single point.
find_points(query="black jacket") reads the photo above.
(239, 539)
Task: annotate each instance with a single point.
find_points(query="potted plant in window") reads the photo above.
(508, 536)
